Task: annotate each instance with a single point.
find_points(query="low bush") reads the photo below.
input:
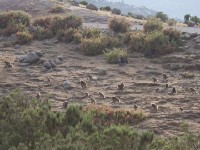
(14, 17)
(106, 8)
(83, 3)
(188, 75)
(44, 22)
(173, 34)
(91, 33)
(77, 37)
(112, 56)
(12, 29)
(119, 25)
(66, 36)
(41, 33)
(162, 16)
(96, 46)
(137, 41)
(23, 37)
(57, 9)
(153, 24)
(92, 7)
(116, 11)
(158, 44)
(171, 22)
(63, 23)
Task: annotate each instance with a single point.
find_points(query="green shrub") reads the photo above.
(12, 29)
(119, 25)
(112, 56)
(137, 41)
(106, 8)
(83, 3)
(44, 22)
(14, 17)
(41, 33)
(96, 46)
(171, 22)
(158, 42)
(91, 33)
(23, 37)
(57, 9)
(162, 16)
(77, 37)
(66, 36)
(173, 34)
(63, 23)
(153, 24)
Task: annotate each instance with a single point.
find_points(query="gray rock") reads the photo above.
(53, 65)
(31, 58)
(60, 58)
(24, 64)
(197, 39)
(194, 35)
(67, 85)
(197, 46)
(55, 61)
(40, 54)
(102, 72)
(74, 3)
(17, 46)
(57, 69)
(47, 65)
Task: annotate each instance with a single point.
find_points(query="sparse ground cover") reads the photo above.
(181, 67)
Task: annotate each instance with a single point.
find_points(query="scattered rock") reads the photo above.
(197, 46)
(102, 72)
(40, 54)
(30, 58)
(67, 85)
(24, 64)
(53, 65)
(197, 39)
(47, 65)
(116, 11)
(194, 35)
(92, 7)
(60, 58)
(17, 46)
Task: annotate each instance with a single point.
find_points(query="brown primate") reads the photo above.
(135, 106)
(154, 107)
(93, 101)
(192, 90)
(181, 109)
(167, 86)
(8, 65)
(115, 99)
(155, 80)
(164, 76)
(65, 104)
(87, 94)
(121, 86)
(101, 95)
(89, 77)
(83, 84)
(173, 90)
(38, 95)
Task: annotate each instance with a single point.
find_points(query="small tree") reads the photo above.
(162, 16)
(187, 18)
(195, 19)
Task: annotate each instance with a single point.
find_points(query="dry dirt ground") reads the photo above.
(137, 77)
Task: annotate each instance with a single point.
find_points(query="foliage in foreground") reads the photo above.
(28, 123)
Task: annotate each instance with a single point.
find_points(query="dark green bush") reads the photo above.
(119, 25)
(44, 22)
(106, 8)
(153, 24)
(23, 37)
(83, 3)
(162, 16)
(137, 41)
(12, 29)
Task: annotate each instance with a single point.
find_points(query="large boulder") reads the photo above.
(30, 58)
(116, 11)
(92, 7)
